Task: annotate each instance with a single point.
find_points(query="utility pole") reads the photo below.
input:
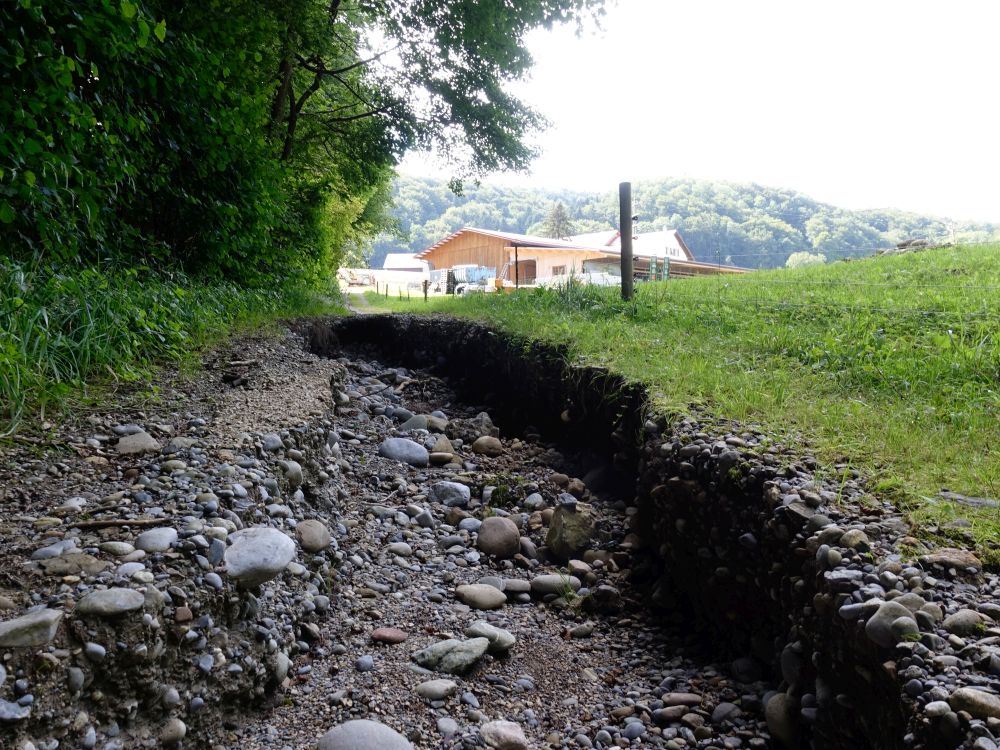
(625, 232)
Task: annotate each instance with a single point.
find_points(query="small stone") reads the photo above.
(452, 655)
(173, 732)
(404, 450)
(452, 494)
(313, 535)
(487, 445)
(436, 690)
(258, 554)
(879, 627)
(504, 735)
(363, 734)
(139, 442)
(554, 584)
(499, 537)
(156, 540)
(501, 641)
(365, 663)
(389, 635)
(964, 622)
(979, 703)
(110, 602)
(570, 530)
(32, 630)
(481, 596)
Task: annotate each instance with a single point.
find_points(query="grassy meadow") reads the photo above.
(890, 365)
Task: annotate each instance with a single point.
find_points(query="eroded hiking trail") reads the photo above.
(316, 542)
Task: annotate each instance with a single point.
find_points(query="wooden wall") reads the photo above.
(470, 248)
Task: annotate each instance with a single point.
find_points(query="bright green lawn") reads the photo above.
(892, 363)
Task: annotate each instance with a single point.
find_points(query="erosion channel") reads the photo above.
(465, 541)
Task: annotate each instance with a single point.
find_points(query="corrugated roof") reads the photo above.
(511, 237)
(403, 260)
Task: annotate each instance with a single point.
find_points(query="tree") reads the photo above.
(557, 224)
(803, 259)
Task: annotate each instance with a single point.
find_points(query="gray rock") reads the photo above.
(156, 540)
(499, 537)
(436, 690)
(452, 494)
(258, 554)
(481, 596)
(32, 630)
(313, 535)
(139, 442)
(110, 602)
(504, 735)
(293, 473)
(172, 732)
(487, 445)
(554, 584)
(416, 422)
(964, 622)
(979, 703)
(501, 641)
(407, 451)
(10, 712)
(570, 531)
(272, 442)
(781, 721)
(879, 627)
(453, 656)
(363, 734)
(400, 548)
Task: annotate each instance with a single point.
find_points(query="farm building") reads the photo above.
(524, 260)
(403, 262)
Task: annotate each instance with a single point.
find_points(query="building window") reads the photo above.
(558, 270)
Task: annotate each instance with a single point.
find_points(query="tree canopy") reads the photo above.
(245, 139)
(742, 224)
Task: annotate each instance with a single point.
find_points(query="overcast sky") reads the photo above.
(870, 104)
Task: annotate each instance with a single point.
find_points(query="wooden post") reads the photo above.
(516, 277)
(625, 230)
(427, 283)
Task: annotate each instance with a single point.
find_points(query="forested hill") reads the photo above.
(744, 224)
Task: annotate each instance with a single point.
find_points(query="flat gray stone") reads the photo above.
(156, 540)
(554, 583)
(31, 630)
(879, 627)
(452, 656)
(139, 442)
(313, 535)
(504, 735)
(258, 554)
(10, 712)
(436, 690)
(501, 641)
(363, 734)
(110, 602)
(452, 494)
(979, 703)
(407, 451)
(481, 596)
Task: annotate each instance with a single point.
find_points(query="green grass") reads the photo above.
(61, 330)
(890, 365)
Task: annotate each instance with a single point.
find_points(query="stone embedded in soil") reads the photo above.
(404, 450)
(363, 734)
(948, 557)
(31, 630)
(879, 627)
(964, 622)
(10, 712)
(452, 655)
(481, 596)
(499, 537)
(110, 602)
(139, 442)
(504, 735)
(156, 540)
(313, 535)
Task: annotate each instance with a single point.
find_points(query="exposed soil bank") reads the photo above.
(786, 570)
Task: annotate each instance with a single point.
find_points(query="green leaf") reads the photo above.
(29, 177)
(160, 30)
(7, 213)
(129, 9)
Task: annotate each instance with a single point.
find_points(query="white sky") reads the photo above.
(863, 104)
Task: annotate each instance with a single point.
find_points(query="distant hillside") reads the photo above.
(744, 224)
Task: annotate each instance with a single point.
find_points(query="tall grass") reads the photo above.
(60, 328)
(890, 365)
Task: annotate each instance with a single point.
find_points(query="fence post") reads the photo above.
(625, 232)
